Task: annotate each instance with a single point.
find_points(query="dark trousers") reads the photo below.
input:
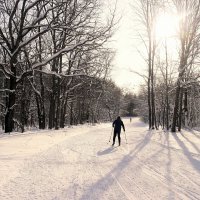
(117, 133)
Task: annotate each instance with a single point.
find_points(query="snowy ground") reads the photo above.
(78, 163)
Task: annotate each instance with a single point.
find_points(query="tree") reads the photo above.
(37, 39)
(19, 21)
(189, 50)
(148, 14)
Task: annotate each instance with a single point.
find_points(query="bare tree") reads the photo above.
(148, 14)
(189, 50)
(18, 27)
(37, 38)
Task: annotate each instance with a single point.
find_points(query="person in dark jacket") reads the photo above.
(117, 124)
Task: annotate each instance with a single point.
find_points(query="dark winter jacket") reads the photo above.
(117, 124)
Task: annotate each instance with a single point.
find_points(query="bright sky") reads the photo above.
(127, 58)
(130, 48)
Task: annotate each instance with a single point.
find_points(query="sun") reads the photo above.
(166, 26)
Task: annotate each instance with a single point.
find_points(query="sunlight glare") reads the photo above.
(166, 26)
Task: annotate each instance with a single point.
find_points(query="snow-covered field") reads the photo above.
(78, 163)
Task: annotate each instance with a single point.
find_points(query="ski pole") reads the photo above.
(125, 137)
(111, 135)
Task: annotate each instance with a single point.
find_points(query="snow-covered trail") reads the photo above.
(78, 163)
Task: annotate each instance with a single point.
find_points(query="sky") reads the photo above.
(129, 65)
(126, 44)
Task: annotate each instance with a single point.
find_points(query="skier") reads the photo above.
(117, 124)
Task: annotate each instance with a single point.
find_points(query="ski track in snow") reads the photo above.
(78, 163)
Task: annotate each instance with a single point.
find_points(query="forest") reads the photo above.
(170, 97)
(55, 64)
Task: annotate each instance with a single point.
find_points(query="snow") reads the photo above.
(78, 163)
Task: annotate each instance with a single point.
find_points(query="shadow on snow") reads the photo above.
(102, 185)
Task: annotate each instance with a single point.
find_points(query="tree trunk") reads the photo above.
(41, 99)
(149, 103)
(40, 111)
(167, 110)
(180, 110)
(185, 107)
(176, 108)
(9, 121)
(57, 108)
(51, 111)
(167, 87)
(63, 112)
(71, 114)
